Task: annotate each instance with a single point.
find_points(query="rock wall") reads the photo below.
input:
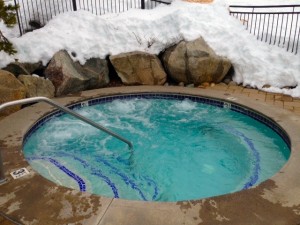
(190, 63)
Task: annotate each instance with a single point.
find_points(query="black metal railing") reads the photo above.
(33, 14)
(273, 24)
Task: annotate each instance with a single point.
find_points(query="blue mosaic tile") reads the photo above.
(78, 179)
(265, 120)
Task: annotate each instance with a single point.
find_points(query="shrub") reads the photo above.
(8, 16)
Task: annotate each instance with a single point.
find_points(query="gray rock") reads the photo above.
(223, 84)
(228, 76)
(175, 62)
(227, 80)
(190, 85)
(289, 87)
(37, 86)
(32, 67)
(232, 83)
(11, 89)
(266, 86)
(139, 68)
(195, 62)
(96, 70)
(16, 68)
(69, 77)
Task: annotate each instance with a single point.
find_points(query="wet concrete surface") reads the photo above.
(33, 199)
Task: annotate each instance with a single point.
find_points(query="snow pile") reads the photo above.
(87, 35)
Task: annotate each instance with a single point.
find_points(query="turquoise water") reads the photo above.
(182, 150)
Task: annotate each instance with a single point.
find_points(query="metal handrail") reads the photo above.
(64, 109)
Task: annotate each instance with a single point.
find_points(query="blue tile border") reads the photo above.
(256, 170)
(205, 100)
(77, 178)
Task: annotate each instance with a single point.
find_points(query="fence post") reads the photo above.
(18, 19)
(143, 4)
(74, 5)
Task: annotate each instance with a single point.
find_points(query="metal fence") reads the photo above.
(33, 14)
(273, 24)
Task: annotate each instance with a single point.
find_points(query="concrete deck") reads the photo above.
(34, 200)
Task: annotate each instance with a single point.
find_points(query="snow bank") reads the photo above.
(255, 63)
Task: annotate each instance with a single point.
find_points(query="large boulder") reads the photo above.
(10, 89)
(37, 86)
(139, 68)
(195, 62)
(69, 77)
(16, 68)
(96, 70)
(33, 67)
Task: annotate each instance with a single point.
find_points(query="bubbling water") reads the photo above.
(182, 150)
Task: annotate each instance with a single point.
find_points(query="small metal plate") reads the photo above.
(19, 173)
(227, 105)
(84, 104)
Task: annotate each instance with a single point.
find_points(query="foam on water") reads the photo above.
(182, 150)
(185, 105)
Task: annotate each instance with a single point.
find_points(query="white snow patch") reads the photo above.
(255, 63)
